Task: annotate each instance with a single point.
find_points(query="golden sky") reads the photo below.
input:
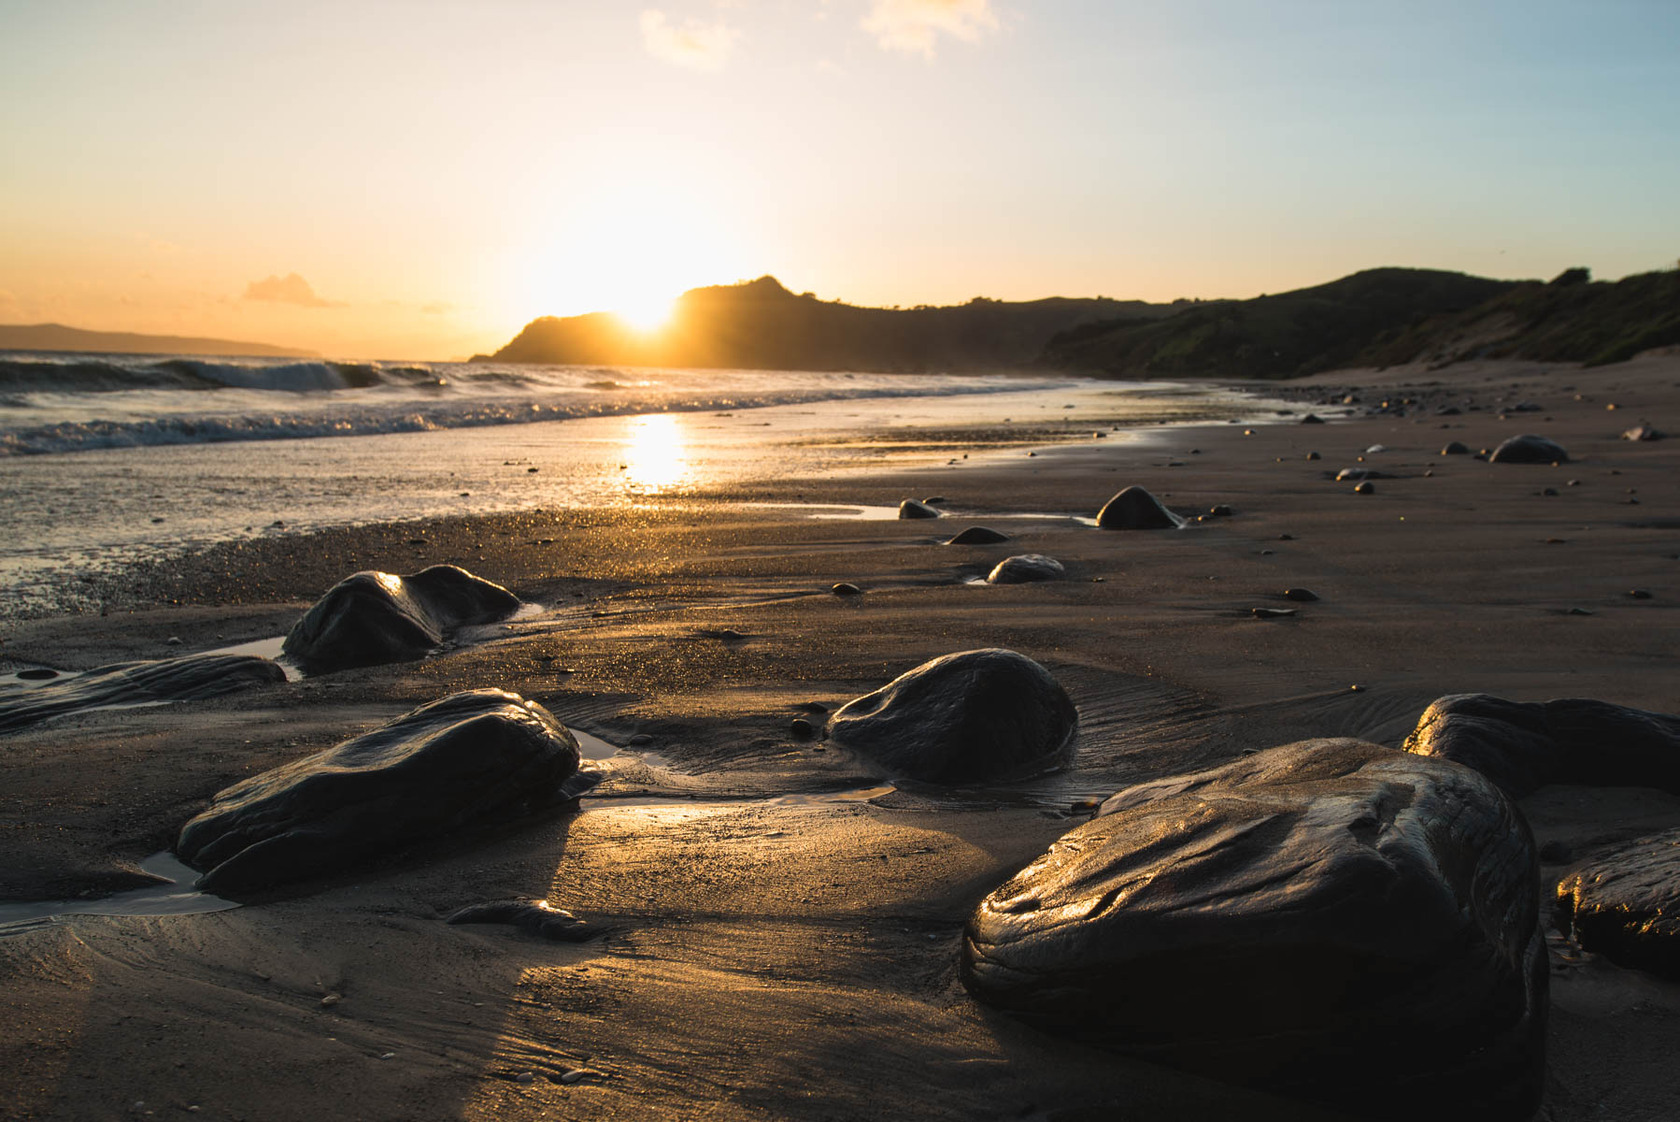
(419, 179)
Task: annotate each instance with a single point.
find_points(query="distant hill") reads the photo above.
(1281, 336)
(57, 337)
(761, 325)
(1385, 317)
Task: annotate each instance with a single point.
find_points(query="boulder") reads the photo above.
(1529, 449)
(973, 717)
(1330, 920)
(910, 508)
(471, 759)
(1136, 509)
(370, 618)
(979, 535)
(1455, 448)
(1024, 568)
(538, 917)
(1625, 904)
(1523, 746)
(190, 678)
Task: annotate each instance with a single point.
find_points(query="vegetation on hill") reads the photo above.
(57, 337)
(761, 325)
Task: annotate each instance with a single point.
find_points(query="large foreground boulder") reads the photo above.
(370, 617)
(1625, 904)
(138, 683)
(1529, 449)
(1136, 509)
(470, 759)
(1331, 920)
(1523, 746)
(974, 717)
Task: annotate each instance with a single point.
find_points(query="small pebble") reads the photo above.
(577, 1073)
(173, 641)
(1302, 595)
(525, 1076)
(1365, 488)
(1272, 613)
(1314, 456)
(1639, 594)
(845, 588)
(1286, 537)
(802, 728)
(331, 999)
(640, 740)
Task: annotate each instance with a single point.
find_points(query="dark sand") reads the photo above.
(782, 944)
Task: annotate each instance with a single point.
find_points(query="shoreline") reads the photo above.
(778, 952)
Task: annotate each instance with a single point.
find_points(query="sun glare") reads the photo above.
(655, 454)
(647, 316)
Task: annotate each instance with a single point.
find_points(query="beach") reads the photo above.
(782, 921)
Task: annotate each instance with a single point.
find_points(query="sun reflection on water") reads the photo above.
(655, 455)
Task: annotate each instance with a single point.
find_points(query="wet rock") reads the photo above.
(471, 759)
(1300, 595)
(1312, 419)
(1219, 510)
(973, 717)
(1136, 509)
(1643, 432)
(1366, 488)
(1314, 456)
(369, 618)
(802, 728)
(1301, 920)
(845, 588)
(189, 678)
(1529, 449)
(1455, 448)
(1639, 594)
(1523, 746)
(979, 535)
(910, 508)
(1354, 475)
(1625, 904)
(1272, 613)
(539, 917)
(1025, 568)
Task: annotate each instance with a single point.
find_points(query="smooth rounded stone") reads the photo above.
(470, 759)
(1354, 475)
(1365, 488)
(1455, 448)
(802, 728)
(1136, 509)
(1314, 456)
(1220, 510)
(846, 588)
(1625, 904)
(973, 717)
(1330, 920)
(1633, 594)
(188, 678)
(539, 917)
(1523, 746)
(1643, 432)
(1300, 595)
(1272, 613)
(1026, 568)
(1312, 419)
(979, 535)
(369, 618)
(910, 508)
(1529, 449)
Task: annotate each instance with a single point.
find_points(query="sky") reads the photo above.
(420, 179)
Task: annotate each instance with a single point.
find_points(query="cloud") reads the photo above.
(289, 289)
(696, 45)
(914, 26)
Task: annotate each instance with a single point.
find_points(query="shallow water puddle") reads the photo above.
(175, 897)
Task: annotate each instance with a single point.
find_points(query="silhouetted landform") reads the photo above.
(761, 325)
(1386, 317)
(57, 337)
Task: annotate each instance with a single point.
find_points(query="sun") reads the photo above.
(648, 315)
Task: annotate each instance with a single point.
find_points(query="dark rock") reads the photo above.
(802, 728)
(1314, 456)
(1300, 595)
(1639, 594)
(1366, 488)
(1025, 568)
(1220, 510)
(37, 674)
(1456, 448)
(1625, 904)
(1272, 613)
(1643, 432)
(812, 707)
(974, 717)
(845, 588)
(1136, 509)
(471, 759)
(1354, 475)
(190, 678)
(370, 618)
(1529, 449)
(539, 917)
(1523, 746)
(1302, 920)
(978, 535)
(910, 508)
(1312, 419)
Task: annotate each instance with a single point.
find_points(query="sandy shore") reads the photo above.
(784, 935)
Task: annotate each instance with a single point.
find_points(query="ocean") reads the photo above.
(107, 459)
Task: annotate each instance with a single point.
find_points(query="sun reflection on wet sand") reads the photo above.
(655, 455)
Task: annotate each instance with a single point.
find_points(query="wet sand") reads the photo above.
(784, 935)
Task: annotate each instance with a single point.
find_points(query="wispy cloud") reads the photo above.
(289, 289)
(914, 26)
(696, 45)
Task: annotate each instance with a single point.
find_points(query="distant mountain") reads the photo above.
(761, 325)
(1281, 336)
(1385, 317)
(57, 337)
